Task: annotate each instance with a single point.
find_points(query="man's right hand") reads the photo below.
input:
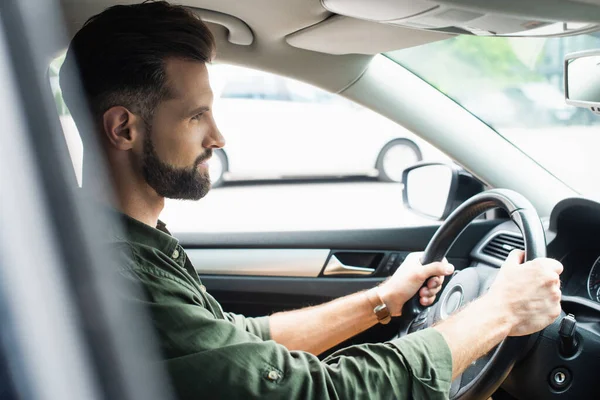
(529, 292)
(524, 298)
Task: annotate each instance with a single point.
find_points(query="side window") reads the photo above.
(257, 88)
(303, 92)
(297, 158)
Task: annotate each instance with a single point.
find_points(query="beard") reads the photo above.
(186, 183)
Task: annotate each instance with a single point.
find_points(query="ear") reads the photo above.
(120, 127)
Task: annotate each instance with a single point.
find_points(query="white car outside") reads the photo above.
(280, 128)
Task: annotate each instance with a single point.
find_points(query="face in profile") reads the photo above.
(180, 138)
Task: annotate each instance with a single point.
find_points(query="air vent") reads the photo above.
(501, 245)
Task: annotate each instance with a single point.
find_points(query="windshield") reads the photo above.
(515, 85)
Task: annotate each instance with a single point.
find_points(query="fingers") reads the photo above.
(549, 264)
(553, 265)
(427, 301)
(427, 292)
(435, 282)
(518, 257)
(438, 268)
(426, 297)
(432, 287)
(515, 257)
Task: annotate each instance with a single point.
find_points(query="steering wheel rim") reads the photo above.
(522, 212)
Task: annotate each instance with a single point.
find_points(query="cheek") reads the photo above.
(177, 144)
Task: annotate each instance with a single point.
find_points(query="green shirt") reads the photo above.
(209, 353)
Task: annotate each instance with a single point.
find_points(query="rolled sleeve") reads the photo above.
(429, 362)
(258, 326)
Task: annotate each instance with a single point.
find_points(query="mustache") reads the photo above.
(203, 157)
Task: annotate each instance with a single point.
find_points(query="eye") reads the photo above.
(198, 116)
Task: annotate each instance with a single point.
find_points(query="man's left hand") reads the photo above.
(409, 278)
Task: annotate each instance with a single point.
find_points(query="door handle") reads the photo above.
(336, 267)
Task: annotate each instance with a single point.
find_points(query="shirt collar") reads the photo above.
(159, 237)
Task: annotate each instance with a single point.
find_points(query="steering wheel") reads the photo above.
(483, 377)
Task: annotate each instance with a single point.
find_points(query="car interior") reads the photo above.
(493, 198)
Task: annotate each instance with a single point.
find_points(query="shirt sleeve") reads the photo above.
(209, 356)
(257, 326)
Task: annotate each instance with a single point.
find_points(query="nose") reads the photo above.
(214, 139)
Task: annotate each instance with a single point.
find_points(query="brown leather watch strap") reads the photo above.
(379, 307)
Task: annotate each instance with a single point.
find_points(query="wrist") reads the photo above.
(392, 299)
(499, 313)
(378, 306)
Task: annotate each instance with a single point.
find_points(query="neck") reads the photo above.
(131, 195)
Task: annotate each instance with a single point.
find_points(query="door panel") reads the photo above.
(401, 239)
(262, 262)
(255, 296)
(261, 293)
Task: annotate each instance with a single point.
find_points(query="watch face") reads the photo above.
(379, 308)
(382, 313)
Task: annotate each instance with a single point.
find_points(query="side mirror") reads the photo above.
(435, 190)
(582, 80)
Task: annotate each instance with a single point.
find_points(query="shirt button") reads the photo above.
(175, 254)
(203, 288)
(273, 375)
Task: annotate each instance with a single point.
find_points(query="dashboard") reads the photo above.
(583, 268)
(550, 370)
(593, 281)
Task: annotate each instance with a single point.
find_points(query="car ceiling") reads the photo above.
(272, 23)
(302, 39)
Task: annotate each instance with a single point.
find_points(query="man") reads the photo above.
(143, 69)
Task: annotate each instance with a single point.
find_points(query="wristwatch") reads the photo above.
(379, 307)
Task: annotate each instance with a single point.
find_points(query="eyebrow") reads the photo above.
(199, 110)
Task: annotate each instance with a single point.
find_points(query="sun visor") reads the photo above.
(484, 18)
(344, 35)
